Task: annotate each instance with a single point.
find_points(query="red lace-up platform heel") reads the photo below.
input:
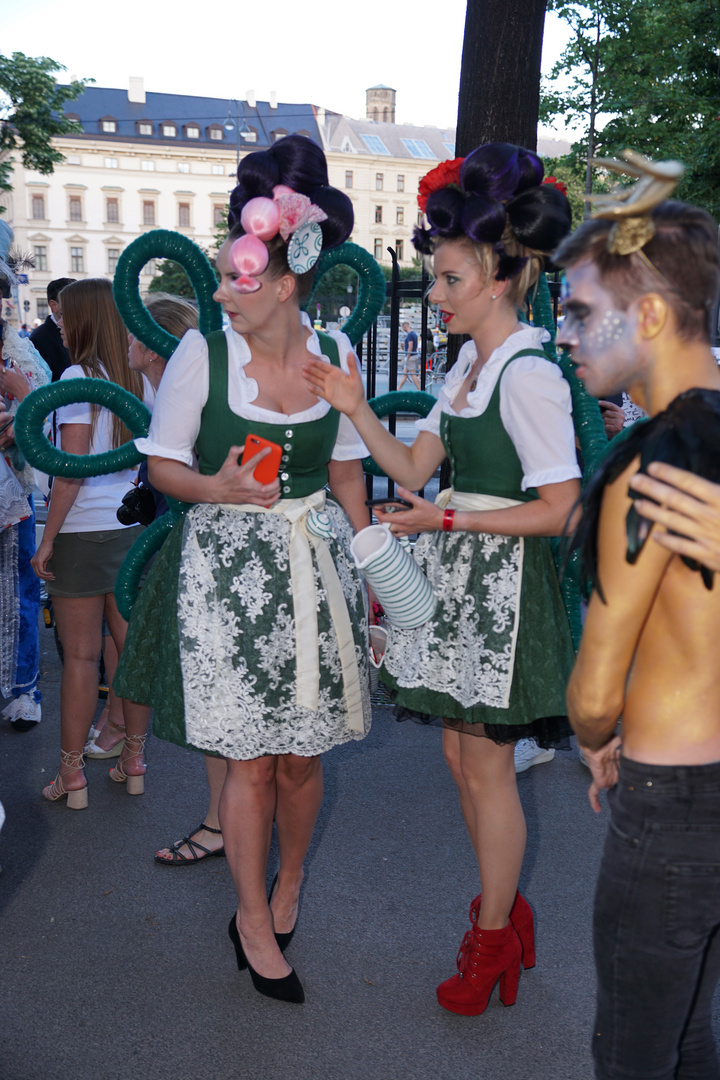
(521, 917)
(485, 957)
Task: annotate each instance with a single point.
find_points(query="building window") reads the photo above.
(183, 167)
(399, 215)
(218, 214)
(399, 250)
(40, 257)
(147, 166)
(169, 131)
(111, 163)
(148, 213)
(401, 182)
(184, 215)
(112, 210)
(109, 126)
(348, 178)
(77, 260)
(38, 207)
(250, 136)
(144, 129)
(113, 256)
(150, 268)
(215, 134)
(42, 309)
(379, 181)
(192, 131)
(75, 208)
(377, 248)
(278, 133)
(420, 218)
(378, 215)
(218, 170)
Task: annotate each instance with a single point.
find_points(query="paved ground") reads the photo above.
(112, 966)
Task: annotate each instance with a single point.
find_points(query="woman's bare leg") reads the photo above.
(485, 774)
(79, 622)
(299, 795)
(247, 807)
(216, 768)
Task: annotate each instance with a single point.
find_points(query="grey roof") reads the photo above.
(342, 132)
(98, 103)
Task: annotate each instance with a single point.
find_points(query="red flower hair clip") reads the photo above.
(446, 174)
(562, 188)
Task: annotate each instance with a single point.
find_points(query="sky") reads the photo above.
(323, 51)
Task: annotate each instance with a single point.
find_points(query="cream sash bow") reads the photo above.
(305, 605)
(469, 500)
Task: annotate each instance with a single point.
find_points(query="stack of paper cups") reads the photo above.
(396, 579)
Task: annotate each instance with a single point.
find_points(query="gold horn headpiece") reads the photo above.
(631, 207)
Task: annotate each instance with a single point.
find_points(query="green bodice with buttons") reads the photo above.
(306, 447)
(482, 456)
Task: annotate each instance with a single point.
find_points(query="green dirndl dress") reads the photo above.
(496, 655)
(213, 644)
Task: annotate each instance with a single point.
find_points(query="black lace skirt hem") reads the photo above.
(547, 731)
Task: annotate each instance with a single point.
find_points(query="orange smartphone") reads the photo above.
(269, 467)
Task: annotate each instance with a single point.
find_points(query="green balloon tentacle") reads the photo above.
(40, 452)
(590, 431)
(163, 244)
(416, 402)
(372, 290)
(127, 583)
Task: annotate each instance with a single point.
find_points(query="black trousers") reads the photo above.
(656, 920)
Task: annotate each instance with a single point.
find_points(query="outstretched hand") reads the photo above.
(425, 516)
(603, 765)
(344, 391)
(235, 483)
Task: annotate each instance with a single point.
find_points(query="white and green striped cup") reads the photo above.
(396, 579)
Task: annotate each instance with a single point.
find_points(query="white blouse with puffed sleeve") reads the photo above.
(185, 385)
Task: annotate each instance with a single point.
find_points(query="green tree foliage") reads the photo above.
(644, 74)
(171, 278)
(31, 113)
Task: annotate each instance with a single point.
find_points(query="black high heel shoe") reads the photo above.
(235, 938)
(289, 988)
(283, 940)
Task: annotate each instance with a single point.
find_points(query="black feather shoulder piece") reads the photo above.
(687, 435)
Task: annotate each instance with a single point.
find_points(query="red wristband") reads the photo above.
(448, 520)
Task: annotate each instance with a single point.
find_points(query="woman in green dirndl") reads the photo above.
(256, 612)
(494, 658)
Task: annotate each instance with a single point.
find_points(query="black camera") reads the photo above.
(138, 507)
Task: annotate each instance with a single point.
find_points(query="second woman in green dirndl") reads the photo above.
(256, 613)
(494, 659)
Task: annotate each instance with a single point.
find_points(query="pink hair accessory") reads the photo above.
(249, 258)
(261, 217)
(295, 211)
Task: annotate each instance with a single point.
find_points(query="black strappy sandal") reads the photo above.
(178, 859)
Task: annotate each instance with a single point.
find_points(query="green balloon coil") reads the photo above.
(372, 289)
(40, 452)
(416, 402)
(163, 244)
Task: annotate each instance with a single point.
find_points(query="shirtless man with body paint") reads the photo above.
(640, 323)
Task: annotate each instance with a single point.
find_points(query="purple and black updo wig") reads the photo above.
(498, 201)
(295, 162)
(298, 163)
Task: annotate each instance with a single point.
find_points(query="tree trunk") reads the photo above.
(500, 74)
(499, 85)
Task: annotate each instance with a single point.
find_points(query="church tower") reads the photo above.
(380, 104)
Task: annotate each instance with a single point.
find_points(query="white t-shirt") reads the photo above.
(535, 406)
(95, 508)
(184, 391)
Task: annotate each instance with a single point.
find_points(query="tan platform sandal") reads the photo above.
(135, 783)
(77, 798)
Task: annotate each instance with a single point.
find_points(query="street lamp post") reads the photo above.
(234, 125)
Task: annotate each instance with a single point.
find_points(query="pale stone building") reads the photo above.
(146, 161)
